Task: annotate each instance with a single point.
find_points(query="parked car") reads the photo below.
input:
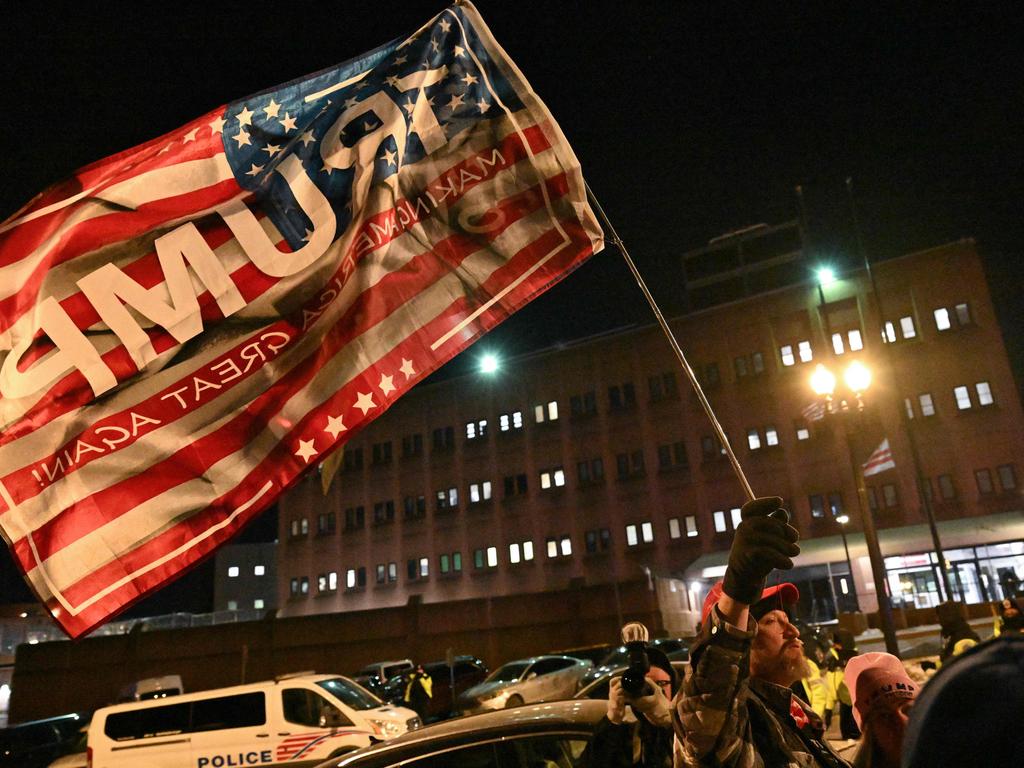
(554, 735)
(676, 648)
(152, 688)
(76, 756)
(541, 678)
(468, 672)
(373, 676)
(37, 743)
(598, 689)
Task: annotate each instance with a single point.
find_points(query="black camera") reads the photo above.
(634, 679)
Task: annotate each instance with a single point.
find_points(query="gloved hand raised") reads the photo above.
(655, 707)
(761, 544)
(616, 701)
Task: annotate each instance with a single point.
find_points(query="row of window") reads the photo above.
(258, 604)
(965, 397)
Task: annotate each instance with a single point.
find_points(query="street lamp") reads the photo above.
(489, 364)
(857, 378)
(843, 520)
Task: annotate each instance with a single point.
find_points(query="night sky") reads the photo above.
(688, 123)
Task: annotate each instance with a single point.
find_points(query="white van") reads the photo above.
(296, 721)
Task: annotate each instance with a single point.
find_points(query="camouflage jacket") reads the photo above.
(724, 718)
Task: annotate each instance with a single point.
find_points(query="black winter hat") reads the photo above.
(658, 659)
(968, 711)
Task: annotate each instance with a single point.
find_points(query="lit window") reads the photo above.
(691, 526)
(889, 334)
(552, 546)
(927, 406)
(425, 566)
(565, 546)
(856, 342)
(513, 553)
(508, 421)
(771, 436)
(736, 517)
(631, 537)
(802, 432)
(392, 572)
(942, 319)
(806, 355)
(259, 570)
(787, 355)
(909, 407)
(258, 604)
(889, 495)
(232, 605)
(549, 412)
(232, 571)
(350, 578)
(527, 550)
(673, 528)
(963, 397)
(984, 393)
(445, 562)
(480, 492)
(753, 439)
(647, 532)
(907, 327)
(492, 557)
(304, 585)
(837, 343)
(719, 516)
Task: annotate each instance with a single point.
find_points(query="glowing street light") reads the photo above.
(857, 377)
(823, 381)
(842, 519)
(489, 364)
(826, 276)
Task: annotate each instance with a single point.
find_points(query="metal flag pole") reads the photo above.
(617, 241)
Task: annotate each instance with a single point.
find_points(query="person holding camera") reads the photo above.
(737, 708)
(637, 728)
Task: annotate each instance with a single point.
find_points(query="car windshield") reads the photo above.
(351, 694)
(508, 673)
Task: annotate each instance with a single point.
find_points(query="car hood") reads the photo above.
(390, 712)
(484, 689)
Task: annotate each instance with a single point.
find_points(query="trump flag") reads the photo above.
(188, 326)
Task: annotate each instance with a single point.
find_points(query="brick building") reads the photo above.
(594, 463)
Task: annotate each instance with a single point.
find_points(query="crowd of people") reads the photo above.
(761, 692)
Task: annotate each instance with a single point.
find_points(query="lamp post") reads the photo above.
(857, 378)
(843, 520)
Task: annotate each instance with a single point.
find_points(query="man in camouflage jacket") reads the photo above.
(737, 710)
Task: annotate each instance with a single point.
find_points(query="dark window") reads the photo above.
(383, 512)
(873, 498)
(621, 397)
(740, 365)
(890, 496)
(412, 569)
(817, 505)
(711, 376)
(583, 405)
(1007, 477)
(352, 459)
(711, 448)
(984, 479)
(304, 707)
(664, 457)
(630, 464)
(946, 488)
(326, 523)
(835, 504)
(478, 558)
(382, 453)
(243, 711)
(590, 540)
(355, 517)
(380, 573)
(361, 576)
(444, 438)
(412, 445)
(148, 722)
(757, 363)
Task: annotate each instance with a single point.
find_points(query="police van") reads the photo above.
(292, 721)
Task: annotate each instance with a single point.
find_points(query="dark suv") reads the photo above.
(468, 671)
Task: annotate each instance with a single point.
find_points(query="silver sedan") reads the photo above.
(541, 678)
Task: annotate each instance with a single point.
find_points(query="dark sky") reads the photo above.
(688, 122)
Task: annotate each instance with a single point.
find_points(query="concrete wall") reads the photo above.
(57, 677)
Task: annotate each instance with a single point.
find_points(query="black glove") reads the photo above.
(761, 544)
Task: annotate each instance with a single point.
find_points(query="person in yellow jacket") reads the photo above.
(837, 694)
(813, 689)
(419, 691)
(1010, 618)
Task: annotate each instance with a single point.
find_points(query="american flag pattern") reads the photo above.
(880, 460)
(346, 234)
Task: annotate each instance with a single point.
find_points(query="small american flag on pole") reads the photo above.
(814, 411)
(880, 460)
(186, 326)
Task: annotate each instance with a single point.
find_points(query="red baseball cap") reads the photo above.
(787, 593)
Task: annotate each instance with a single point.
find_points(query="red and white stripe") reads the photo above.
(120, 522)
(880, 460)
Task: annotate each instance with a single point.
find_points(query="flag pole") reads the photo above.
(617, 241)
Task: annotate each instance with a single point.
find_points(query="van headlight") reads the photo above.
(388, 729)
